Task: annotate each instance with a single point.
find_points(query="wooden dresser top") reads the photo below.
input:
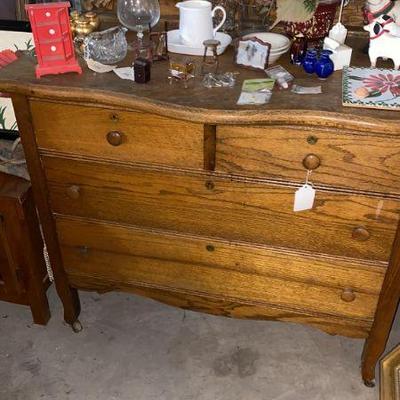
(199, 104)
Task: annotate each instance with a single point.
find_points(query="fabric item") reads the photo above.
(12, 159)
(294, 10)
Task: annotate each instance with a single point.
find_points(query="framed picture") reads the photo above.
(252, 53)
(14, 41)
(371, 88)
(390, 376)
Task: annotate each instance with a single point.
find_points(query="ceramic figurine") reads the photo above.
(376, 8)
(382, 44)
(388, 23)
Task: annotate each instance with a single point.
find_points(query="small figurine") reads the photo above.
(375, 8)
(382, 44)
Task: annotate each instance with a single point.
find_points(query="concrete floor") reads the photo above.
(134, 348)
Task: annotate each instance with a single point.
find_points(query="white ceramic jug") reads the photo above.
(196, 22)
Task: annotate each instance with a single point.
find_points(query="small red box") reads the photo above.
(53, 39)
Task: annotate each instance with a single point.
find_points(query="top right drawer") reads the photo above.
(367, 162)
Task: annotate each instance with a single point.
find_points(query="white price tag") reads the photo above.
(304, 198)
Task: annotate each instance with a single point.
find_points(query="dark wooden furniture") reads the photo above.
(183, 196)
(23, 273)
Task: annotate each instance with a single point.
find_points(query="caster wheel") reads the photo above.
(369, 383)
(77, 326)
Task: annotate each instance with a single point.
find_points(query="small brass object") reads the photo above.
(93, 19)
(73, 17)
(312, 139)
(210, 185)
(83, 27)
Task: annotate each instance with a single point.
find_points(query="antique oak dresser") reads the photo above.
(182, 196)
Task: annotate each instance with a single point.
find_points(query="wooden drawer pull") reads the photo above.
(360, 233)
(114, 138)
(311, 162)
(73, 192)
(348, 295)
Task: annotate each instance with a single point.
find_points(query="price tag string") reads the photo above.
(309, 172)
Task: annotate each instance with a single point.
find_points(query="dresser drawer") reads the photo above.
(125, 255)
(49, 32)
(340, 224)
(117, 135)
(349, 160)
(54, 49)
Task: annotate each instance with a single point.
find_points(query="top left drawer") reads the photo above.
(101, 133)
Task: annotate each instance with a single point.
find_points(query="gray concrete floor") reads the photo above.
(135, 348)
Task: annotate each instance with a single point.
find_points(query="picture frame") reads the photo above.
(390, 376)
(15, 40)
(252, 52)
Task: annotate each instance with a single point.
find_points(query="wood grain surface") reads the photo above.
(200, 104)
(23, 273)
(122, 254)
(347, 159)
(69, 296)
(227, 307)
(212, 205)
(146, 138)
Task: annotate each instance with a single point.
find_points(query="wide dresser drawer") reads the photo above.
(212, 205)
(119, 256)
(117, 135)
(368, 162)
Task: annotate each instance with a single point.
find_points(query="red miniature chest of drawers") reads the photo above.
(53, 39)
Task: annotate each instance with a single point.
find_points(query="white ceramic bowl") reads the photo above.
(274, 57)
(278, 42)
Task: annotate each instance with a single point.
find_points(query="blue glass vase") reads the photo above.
(324, 66)
(310, 61)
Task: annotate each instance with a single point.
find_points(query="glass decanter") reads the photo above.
(138, 15)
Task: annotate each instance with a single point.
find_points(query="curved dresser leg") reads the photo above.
(68, 295)
(375, 344)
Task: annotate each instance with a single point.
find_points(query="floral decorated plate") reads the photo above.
(371, 87)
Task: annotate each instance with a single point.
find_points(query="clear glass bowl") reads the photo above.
(106, 47)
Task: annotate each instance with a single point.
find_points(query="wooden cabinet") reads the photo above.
(184, 197)
(23, 273)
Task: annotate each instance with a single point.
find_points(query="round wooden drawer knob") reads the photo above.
(348, 295)
(114, 138)
(311, 162)
(73, 192)
(360, 233)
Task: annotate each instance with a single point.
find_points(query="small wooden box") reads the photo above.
(23, 274)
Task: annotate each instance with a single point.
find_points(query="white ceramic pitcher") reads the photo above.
(196, 22)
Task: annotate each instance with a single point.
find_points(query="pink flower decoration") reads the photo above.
(384, 83)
